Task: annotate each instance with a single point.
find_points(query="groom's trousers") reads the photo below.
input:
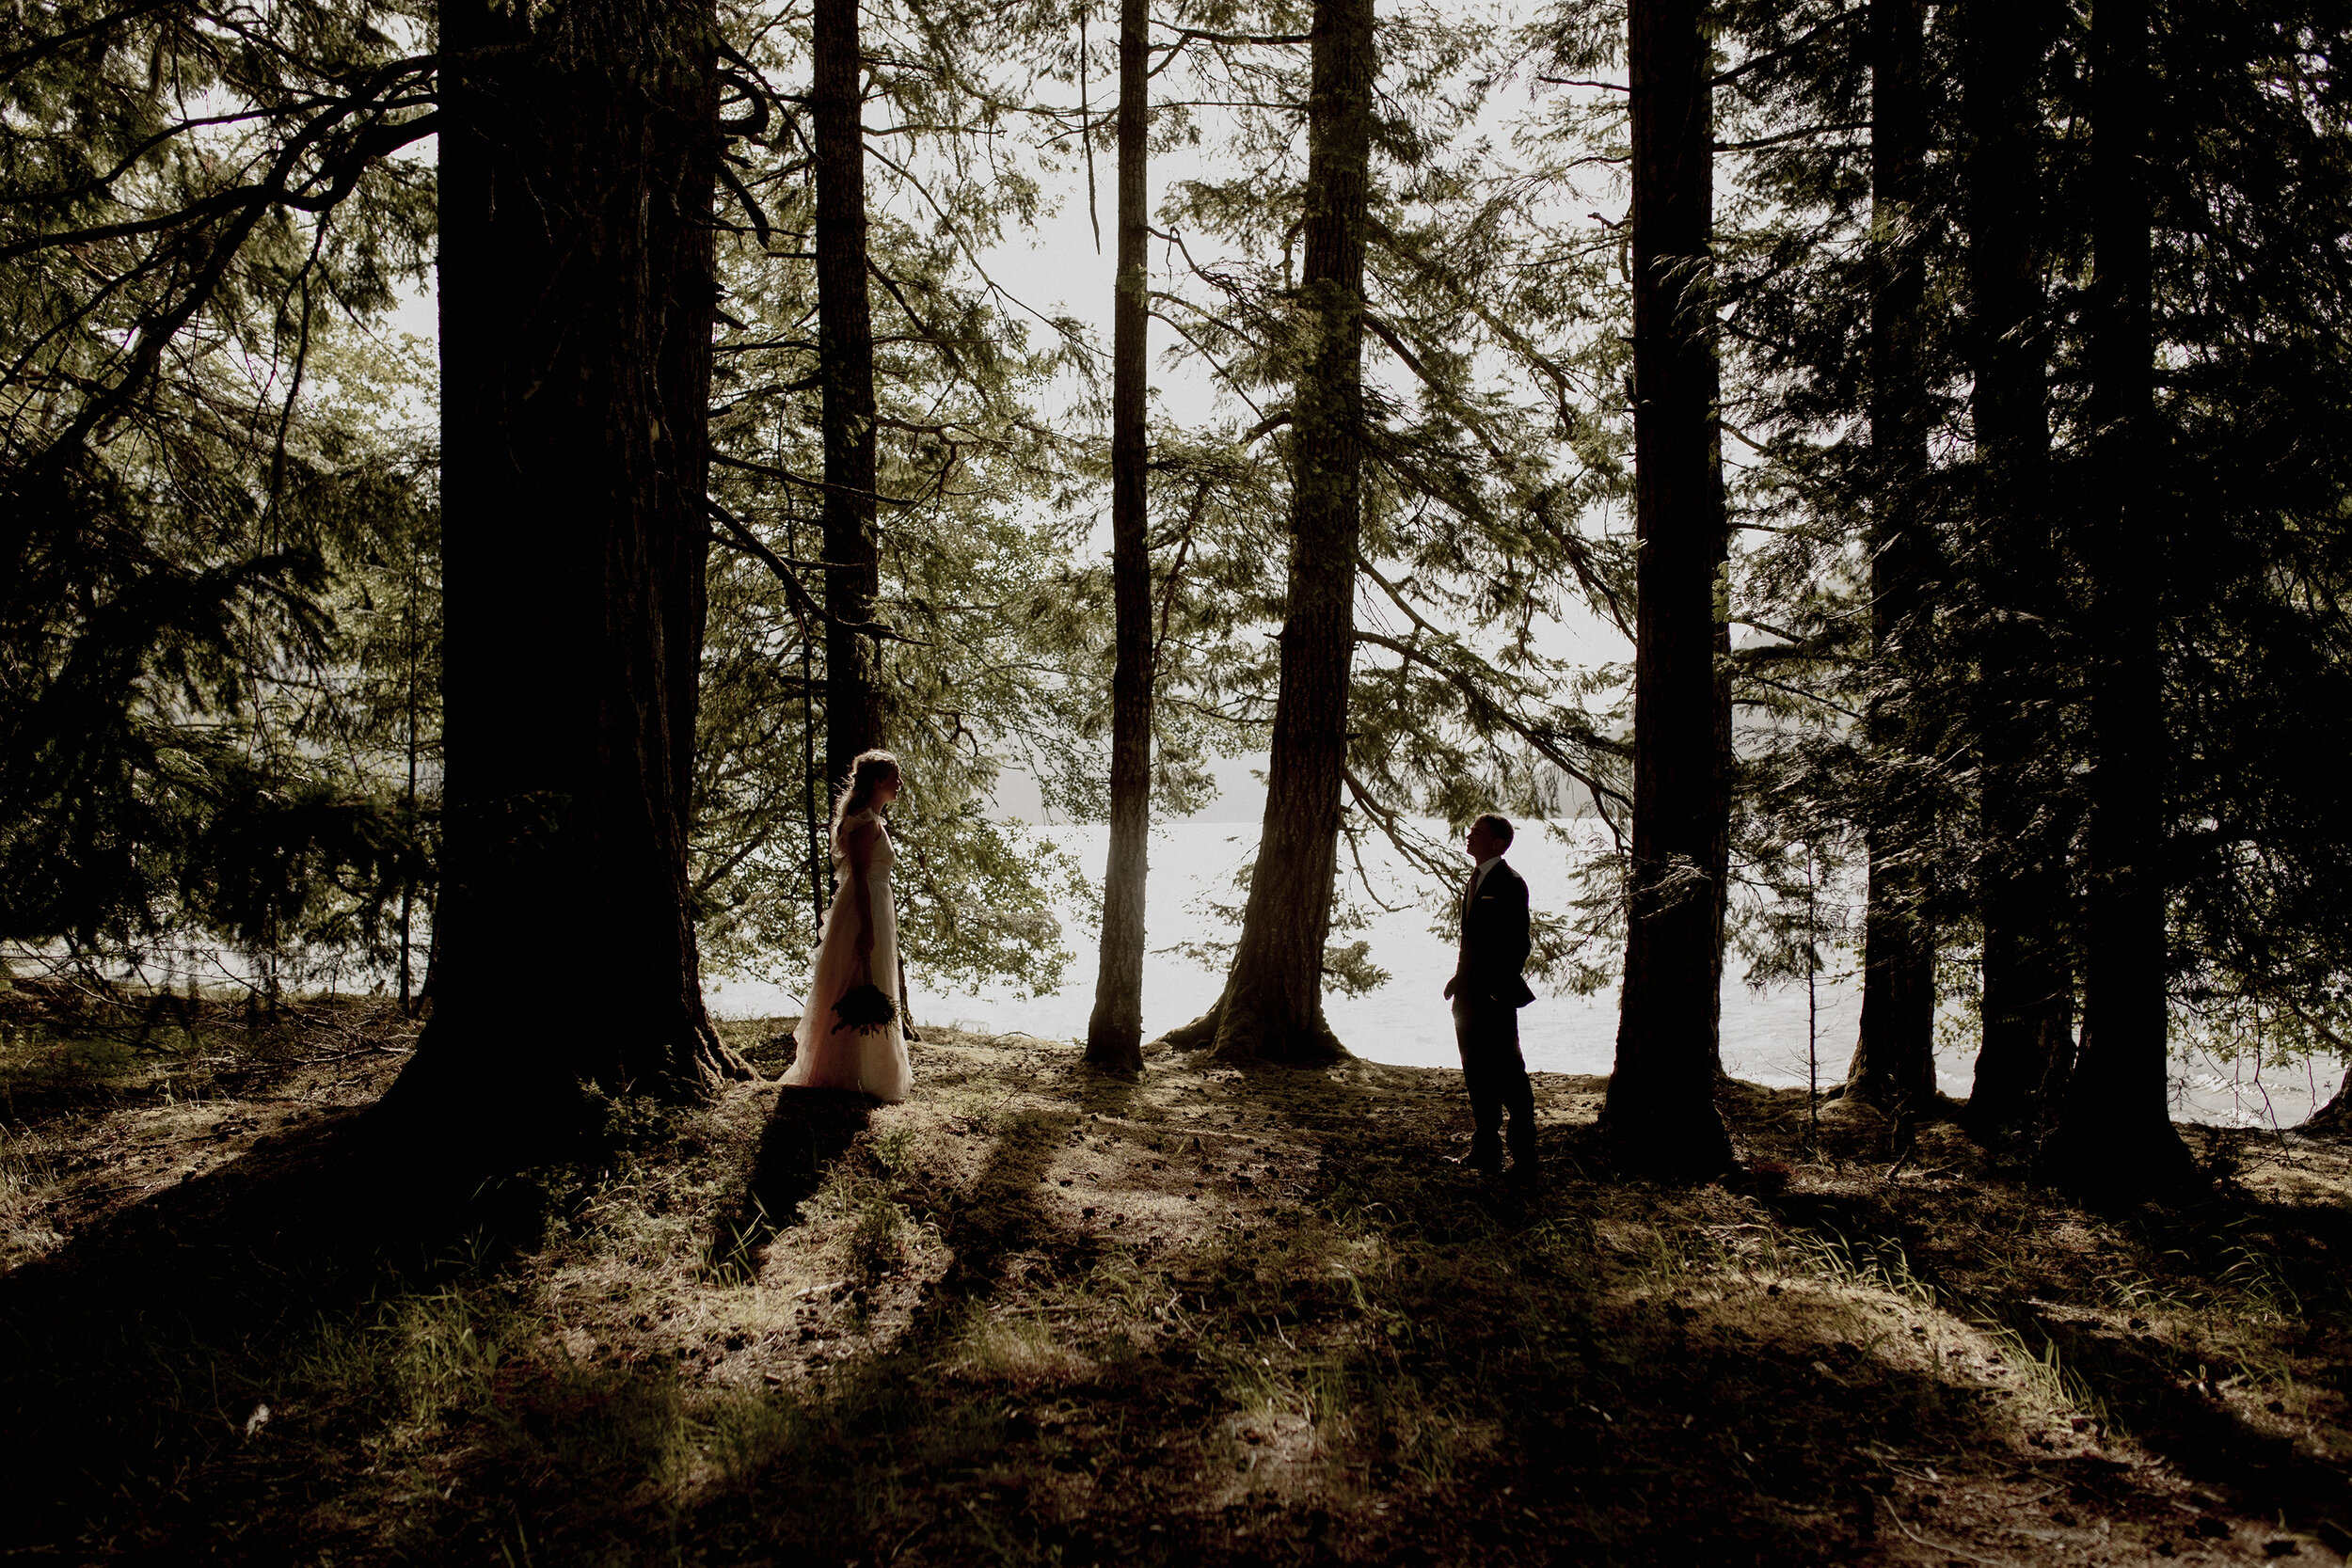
(1493, 1071)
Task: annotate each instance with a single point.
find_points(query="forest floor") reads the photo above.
(1037, 1316)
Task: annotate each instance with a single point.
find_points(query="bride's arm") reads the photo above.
(860, 845)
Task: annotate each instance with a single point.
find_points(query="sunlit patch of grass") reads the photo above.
(1022, 1351)
(30, 1173)
(28, 1168)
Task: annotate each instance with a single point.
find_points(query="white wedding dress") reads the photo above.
(828, 1058)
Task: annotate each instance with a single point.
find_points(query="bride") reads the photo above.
(858, 946)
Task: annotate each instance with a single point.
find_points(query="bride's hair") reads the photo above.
(866, 774)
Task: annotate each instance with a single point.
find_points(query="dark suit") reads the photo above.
(1488, 994)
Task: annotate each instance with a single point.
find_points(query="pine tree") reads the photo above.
(2117, 1128)
(845, 364)
(1272, 1006)
(1661, 1111)
(1894, 1061)
(576, 333)
(1115, 1033)
(2020, 730)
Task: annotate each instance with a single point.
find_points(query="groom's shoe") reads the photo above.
(1484, 1160)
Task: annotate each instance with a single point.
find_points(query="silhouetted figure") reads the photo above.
(1488, 991)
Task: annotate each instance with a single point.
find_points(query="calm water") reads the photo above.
(1405, 1020)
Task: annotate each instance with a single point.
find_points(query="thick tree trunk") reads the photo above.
(845, 352)
(1272, 1008)
(1893, 1059)
(577, 286)
(2028, 975)
(2331, 1120)
(1115, 1033)
(2116, 1131)
(1660, 1112)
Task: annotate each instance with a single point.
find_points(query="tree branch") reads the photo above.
(796, 590)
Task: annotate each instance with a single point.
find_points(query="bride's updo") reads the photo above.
(867, 773)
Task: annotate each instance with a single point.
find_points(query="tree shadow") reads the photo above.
(148, 1347)
(2170, 1410)
(2163, 1394)
(807, 1135)
(997, 1218)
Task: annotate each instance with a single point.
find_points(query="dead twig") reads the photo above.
(362, 1051)
(1934, 1547)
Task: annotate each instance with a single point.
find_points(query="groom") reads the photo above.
(1488, 994)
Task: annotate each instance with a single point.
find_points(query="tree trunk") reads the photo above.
(1726, 740)
(2029, 976)
(845, 350)
(2116, 1131)
(577, 286)
(1272, 1008)
(1115, 1034)
(1893, 1059)
(2331, 1120)
(1661, 1111)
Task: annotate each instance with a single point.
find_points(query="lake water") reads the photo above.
(1406, 1021)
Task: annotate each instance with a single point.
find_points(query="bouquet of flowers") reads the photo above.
(865, 1009)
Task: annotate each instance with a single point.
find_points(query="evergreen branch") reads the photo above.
(1798, 135)
(1200, 35)
(1725, 78)
(827, 487)
(1392, 828)
(1787, 653)
(1485, 705)
(752, 209)
(1802, 695)
(964, 244)
(929, 334)
(378, 141)
(795, 589)
(157, 333)
(13, 63)
(1212, 360)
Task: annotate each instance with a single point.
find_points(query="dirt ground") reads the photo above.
(1037, 1316)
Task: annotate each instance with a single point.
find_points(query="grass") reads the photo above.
(1036, 1316)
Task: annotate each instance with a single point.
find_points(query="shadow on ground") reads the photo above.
(1039, 1316)
(144, 1356)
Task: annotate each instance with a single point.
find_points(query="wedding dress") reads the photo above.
(829, 1058)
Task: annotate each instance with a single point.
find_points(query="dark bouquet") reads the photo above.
(865, 1009)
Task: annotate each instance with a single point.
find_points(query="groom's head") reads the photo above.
(1489, 836)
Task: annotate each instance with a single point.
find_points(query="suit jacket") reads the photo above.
(1494, 941)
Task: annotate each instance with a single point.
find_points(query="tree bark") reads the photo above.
(1115, 1033)
(2021, 890)
(1893, 1059)
(2331, 1120)
(2116, 1131)
(1726, 735)
(1272, 1008)
(577, 289)
(845, 350)
(1661, 1111)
